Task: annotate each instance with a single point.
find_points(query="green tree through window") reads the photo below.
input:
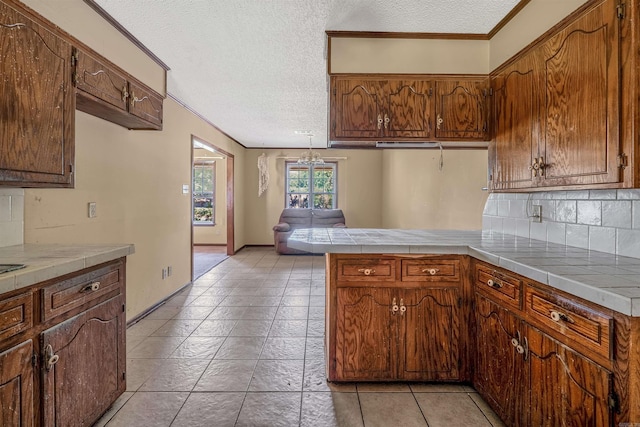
(204, 194)
(311, 186)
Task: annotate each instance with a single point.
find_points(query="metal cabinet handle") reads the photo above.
(557, 317)
(50, 358)
(386, 121)
(439, 122)
(125, 93)
(494, 284)
(403, 308)
(431, 271)
(366, 271)
(538, 166)
(379, 121)
(91, 287)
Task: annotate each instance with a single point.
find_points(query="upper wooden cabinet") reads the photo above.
(411, 108)
(557, 108)
(37, 105)
(109, 93)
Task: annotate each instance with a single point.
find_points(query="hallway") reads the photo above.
(243, 346)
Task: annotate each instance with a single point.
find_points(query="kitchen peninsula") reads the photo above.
(62, 332)
(548, 334)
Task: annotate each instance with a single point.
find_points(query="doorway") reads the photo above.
(212, 215)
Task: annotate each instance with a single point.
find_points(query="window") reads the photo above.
(311, 186)
(204, 175)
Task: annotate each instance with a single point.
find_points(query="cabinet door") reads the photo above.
(89, 373)
(566, 388)
(16, 386)
(36, 106)
(499, 368)
(461, 111)
(407, 109)
(516, 101)
(145, 105)
(356, 109)
(430, 334)
(100, 81)
(365, 334)
(581, 119)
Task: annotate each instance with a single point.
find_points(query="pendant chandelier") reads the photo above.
(310, 157)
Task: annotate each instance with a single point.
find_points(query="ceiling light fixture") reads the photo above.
(310, 157)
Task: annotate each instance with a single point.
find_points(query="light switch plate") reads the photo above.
(185, 188)
(92, 210)
(537, 213)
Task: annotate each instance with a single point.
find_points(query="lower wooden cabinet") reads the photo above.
(67, 366)
(499, 369)
(531, 379)
(394, 326)
(16, 386)
(84, 365)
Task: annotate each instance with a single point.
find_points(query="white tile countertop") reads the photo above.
(44, 262)
(605, 279)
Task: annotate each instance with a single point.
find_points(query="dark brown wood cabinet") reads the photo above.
(37, 106)
(107, 92)
(63, 352)
(16, 386)
(88, 373)
(408, 108)
(461, 110)
(529, 377)
(499, 369)
(557, 108)
(395, 319)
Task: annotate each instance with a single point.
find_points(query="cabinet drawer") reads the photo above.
(430, 270)
(573, 322)
(498, 285)
(77, 291)
(366, 270)
(16, 315)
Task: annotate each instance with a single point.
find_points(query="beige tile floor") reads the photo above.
(243, 346)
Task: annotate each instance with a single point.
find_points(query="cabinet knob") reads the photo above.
(394, 306)
(520, 349)
(514, 342)
(386, 121)
(403, 308)
(557, 317)
(366, 271)
(91, 287)
(538, 166)
(439, 122)
(50, 358)
(494, 284)
(379, 121)
(125, 93)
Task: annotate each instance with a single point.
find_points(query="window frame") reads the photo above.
(203, 164)
(292, 164)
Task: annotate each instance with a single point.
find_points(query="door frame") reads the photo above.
(230, 196)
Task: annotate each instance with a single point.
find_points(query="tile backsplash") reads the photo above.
(601, 220)
(11, 216)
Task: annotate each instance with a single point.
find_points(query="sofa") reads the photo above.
(294, 218)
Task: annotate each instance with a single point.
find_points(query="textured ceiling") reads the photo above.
(257, 68)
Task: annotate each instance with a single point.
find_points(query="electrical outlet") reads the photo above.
(537, 213)
(92, 210)
(169, 270)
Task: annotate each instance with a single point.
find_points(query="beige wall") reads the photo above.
(419, 195)
(135, 177)
(533, 20)
(422, 56)
(359, 183)
(214, 234)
